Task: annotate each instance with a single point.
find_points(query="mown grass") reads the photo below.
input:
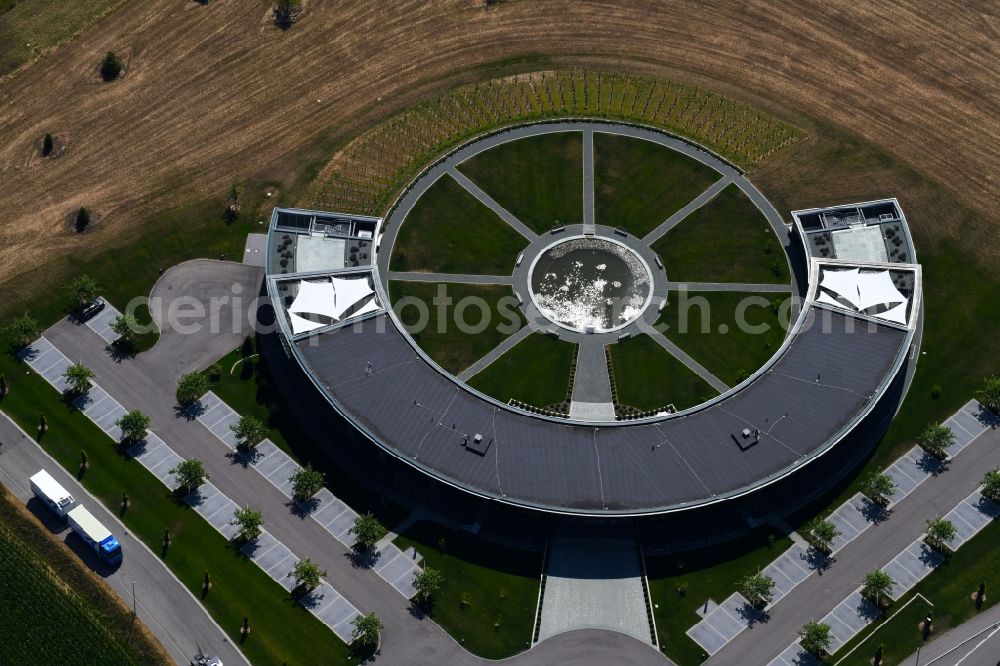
(450, 231)
(726, 240)
(714, 328)
(535, 371)
(539, 179)
(73, 616)
(476, 319)
(639, 184)
(648, 377)
(488, 598)
(282, 631)
(680, 584)
(900, 636)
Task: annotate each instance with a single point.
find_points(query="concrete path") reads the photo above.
(872, 549)
(588, 181)
(592, 398)
(450, 277)
(682, 356)
(594, 584)
(495, 353)
(490, 203)
(691, 207)
(730, 286)
(166, 606)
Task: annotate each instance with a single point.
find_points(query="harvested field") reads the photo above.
(215, 93)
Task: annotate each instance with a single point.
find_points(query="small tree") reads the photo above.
(111, 66)
(3, 385)
(877, 587)
(84, 461)
(821, 534)
(125, 327)
(286, 12)
(367, 531)
(427, 583)
(306, 482)
(190, 474)
(82, 219)
(78, 377)
(81, 290)
(815, 638)
(47, 145)
(878, 487)
(935, 439)
(991, 482)
(989, 394)
(939, 533)
(191, 387)
(307, 575)
(23, 330)
(249, 522)
(758, 588)
(134, 425)
(249, 430)
(366, 629)
(43, 424)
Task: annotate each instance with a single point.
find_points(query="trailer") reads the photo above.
(96, 535)
(54, 495)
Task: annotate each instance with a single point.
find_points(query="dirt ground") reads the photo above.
(215, 93)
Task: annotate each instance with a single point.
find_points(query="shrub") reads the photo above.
(82, 220)
(191, 387)
(286, 12)
(48, 143)
(111, 66)
(215, 372)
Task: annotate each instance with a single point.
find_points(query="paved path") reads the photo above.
(682, 356)
(588, 181)
(486, 199)
(730, 286)
(874, 548)
(975, 643)
(495, 353)
(693, 205)
(177, 619)
(451, 277)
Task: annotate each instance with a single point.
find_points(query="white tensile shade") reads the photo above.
(301, 324)
(349, 293)
(877, 289)
(315, 298)
(824, 297)
(370, 306)
(896, 314)
(843, 284)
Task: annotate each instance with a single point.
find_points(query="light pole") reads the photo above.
(133, 599)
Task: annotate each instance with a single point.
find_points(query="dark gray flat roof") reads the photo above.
(825, 379)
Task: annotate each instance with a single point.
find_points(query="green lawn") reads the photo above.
(282, 630)
(539, 179)
(536, 371)
(450, 231)
(900, 636)
(638, 184)
(30, 27)
(489, 594)
(726, 240)
(734, 355)
(680, 584)
(489, 314)
(647, 377)
(63, 627)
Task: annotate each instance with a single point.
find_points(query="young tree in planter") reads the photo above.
(82, 219)
(307, 575)
(366, 629)
(989, 394)
(81, 290)
(249, 522)
(935, 440)
(78, 377)
(125, 327)
(191, 387)
(306, 482)
(23, 330)
(48, 143)
(939, 533)
(190, 474)
(249, 430)
(134, 425)
(367, 531)
(877, 587)
(878, 487)
(111, 66)
(758, 589)
(427, 583)
(991, 482)
(821, 534)
(815, 638)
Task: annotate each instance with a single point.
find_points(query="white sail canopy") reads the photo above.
(896, 314)
(350, 293)
(877, 289)
(301, 324)
(315, 298)
(843, 284)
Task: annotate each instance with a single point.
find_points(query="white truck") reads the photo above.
(54, 495)
(96, 535)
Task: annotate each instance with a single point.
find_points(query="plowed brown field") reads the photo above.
(215, 93)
